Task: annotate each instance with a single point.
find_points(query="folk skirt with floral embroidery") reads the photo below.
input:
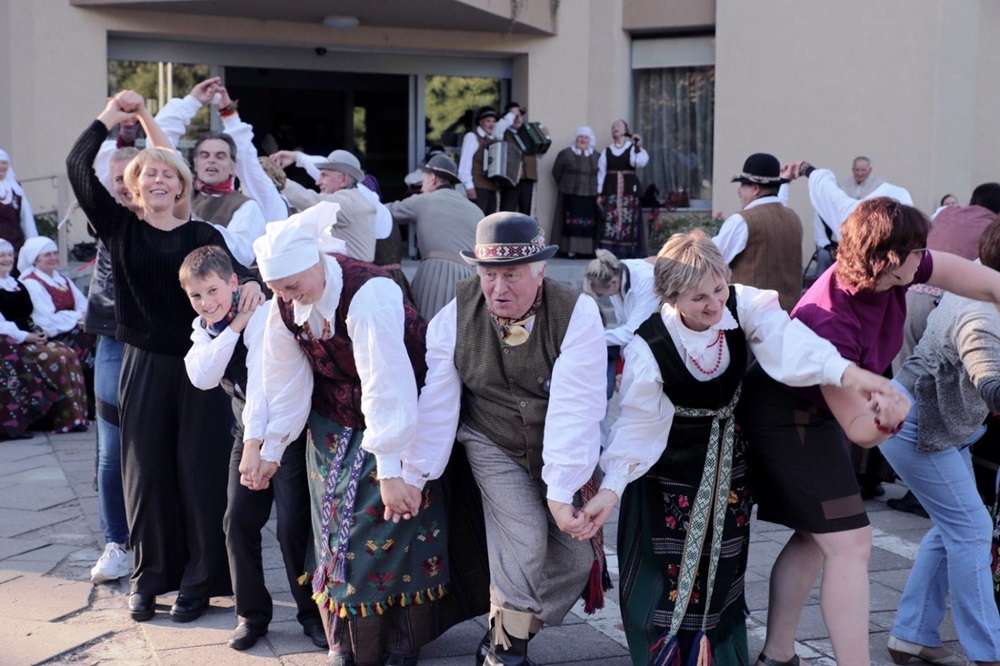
(26, 395)
(61, 367)
(373, 575)
(655, 512)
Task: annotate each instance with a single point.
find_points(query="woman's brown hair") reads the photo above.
(877, 238)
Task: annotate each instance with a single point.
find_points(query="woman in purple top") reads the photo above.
(801, 470)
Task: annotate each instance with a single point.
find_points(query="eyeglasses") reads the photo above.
(921, 251)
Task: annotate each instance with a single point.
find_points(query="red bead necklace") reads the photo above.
(718, 358)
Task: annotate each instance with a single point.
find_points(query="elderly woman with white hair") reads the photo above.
(17, 221)
(677, 460)
(60, 395)
(575, 170)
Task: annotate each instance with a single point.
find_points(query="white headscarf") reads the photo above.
(584, 131)
(30, 251)
(9, 185)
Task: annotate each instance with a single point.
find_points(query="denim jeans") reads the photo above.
(110, 495)
(954, 555)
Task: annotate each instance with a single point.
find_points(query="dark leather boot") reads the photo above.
(515, 655)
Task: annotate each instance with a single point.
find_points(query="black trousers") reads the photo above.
(518, 198)
(176, 445)
(486, 200)
(246, 515)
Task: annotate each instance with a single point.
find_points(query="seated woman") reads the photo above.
(25, 396)
(677, 461)
(953, 376)
(58, 366)
(59, 307)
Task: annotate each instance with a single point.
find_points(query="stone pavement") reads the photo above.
(52, 614)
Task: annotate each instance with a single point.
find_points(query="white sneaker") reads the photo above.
(113, 564)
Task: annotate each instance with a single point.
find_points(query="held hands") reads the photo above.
(573, 521)
(205, 91)
(255, 473)
(401, 500)
(789, 171)
(599, 508)
(471, 193)
(38, 338)
(883, 397)
(284, 158)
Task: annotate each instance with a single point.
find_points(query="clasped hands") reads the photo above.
(255, 473)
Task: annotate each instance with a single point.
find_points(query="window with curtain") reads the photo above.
(674, 112)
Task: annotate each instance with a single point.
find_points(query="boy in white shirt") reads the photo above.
(227, 349)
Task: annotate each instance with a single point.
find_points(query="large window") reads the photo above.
(673, 105)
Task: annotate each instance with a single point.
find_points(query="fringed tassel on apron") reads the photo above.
(599, 581)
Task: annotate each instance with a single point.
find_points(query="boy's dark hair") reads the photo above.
(203, 261)
(989, 245)
(987, 195)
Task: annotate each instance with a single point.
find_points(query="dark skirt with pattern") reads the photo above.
(800, 464)
(374, 576)
(655, 511)
(83, 344)
(622, 226)
(26, 395)
(60, 366)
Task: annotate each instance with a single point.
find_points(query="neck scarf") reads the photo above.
(218, 327)
(225, 187)
(514, 331)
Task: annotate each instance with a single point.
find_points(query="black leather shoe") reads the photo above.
(908, 503)
(402, 659)
(314, 630)
(246, 636)
(141, 606)
(186, 609)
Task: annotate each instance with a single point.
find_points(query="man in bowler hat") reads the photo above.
(472, 164)
(513, 362)
(763, 242)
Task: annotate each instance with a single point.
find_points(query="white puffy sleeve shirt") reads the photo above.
(253, 181)
(639, 301)
(571, 440)
(206, 363)
(44, 314)
(786, 349)
(375, 324)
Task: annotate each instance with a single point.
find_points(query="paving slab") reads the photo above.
(35, 496)
(17, 522)
(28, 641)
(43, 598)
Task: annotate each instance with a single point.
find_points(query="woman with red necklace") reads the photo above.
(677, 461)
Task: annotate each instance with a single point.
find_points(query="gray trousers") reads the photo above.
(534, 567)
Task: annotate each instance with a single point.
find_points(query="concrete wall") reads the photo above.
(660, 15)
(905, 82)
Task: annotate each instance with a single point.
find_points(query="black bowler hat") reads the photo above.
(486, 112)
(514, 105)
(508, 239)
(760, 169)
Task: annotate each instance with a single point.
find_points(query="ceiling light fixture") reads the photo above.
(341, 22)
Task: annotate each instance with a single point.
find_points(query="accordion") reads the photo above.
(503, 163)
(533, 139)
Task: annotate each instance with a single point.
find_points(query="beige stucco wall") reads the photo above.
(660, 15)
(907, 82)
(54, 65)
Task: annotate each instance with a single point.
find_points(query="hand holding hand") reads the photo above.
(38, 338)
(249, 462)
(401, 500)
(789, 171)
(471, 193)
(599, 508)
(265, 470)
(890, 407)
(569, 519)
(204, 91)
(114, 114)
(284, 158)
(223, 100)
(866, 382)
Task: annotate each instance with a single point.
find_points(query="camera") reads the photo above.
(320, 50)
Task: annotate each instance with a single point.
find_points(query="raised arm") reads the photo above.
(965, 278)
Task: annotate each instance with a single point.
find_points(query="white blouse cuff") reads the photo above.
(560, 495)
(389, 465)
(615, 481)
(833, 371)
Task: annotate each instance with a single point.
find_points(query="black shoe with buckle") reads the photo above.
(186, 609)
(246, 635)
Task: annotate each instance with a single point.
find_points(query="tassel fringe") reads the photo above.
(323, 598)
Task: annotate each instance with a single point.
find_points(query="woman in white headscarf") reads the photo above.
(59, 306)
(59, 389)
(575, 171)
(17, 221)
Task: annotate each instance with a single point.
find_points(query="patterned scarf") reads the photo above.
(225, 187)
(218, 327)
(514, 331)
